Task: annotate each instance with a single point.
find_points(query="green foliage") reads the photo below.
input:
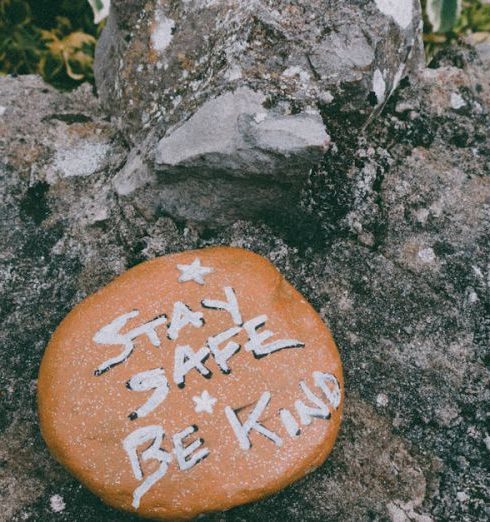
(446, 22)
(443, 14)
(53, 38)
(56, 38)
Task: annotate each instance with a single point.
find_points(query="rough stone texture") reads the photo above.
(393, 251)
(158, 61)
(260, 145)
(197, 160)
(216, 88)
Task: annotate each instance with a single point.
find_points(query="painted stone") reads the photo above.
(192, 383)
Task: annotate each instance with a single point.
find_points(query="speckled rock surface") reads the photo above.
(250, 92)
(393, 251)
(158, 62)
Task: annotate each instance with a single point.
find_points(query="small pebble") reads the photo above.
(457, 101)
(427, 255)
(382, 400)
(57, 503)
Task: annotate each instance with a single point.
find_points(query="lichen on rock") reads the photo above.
(186, 81)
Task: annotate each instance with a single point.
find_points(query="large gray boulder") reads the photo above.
(158, 62)
(251, 92)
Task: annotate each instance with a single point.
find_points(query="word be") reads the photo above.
(190, 455)
(186, 456)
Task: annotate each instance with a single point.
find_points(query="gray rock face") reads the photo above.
(247, 141)
(398, 266)
(158, 62)
(212, 176)
(252, 90)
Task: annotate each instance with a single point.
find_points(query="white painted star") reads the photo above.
(194, 272)
(204, 402)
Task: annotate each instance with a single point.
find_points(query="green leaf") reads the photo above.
(50, 65)
(16, 12)
(443, 14)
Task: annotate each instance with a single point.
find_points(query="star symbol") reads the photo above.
(194, 272)
(204, 402)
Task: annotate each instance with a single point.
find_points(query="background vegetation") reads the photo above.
(53, 38)
(447, 21)
(56, 38)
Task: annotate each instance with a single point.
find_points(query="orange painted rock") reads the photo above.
(190, 384)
